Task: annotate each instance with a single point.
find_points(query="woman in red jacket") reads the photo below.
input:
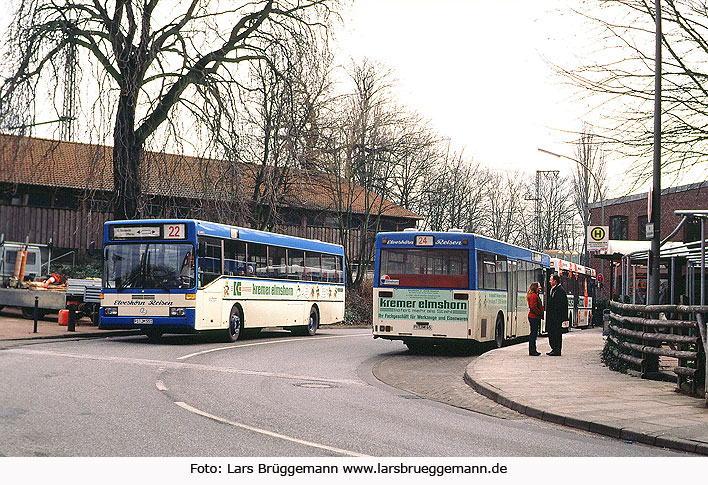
(535, 315)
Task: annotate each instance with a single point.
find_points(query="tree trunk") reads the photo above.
(127, 153)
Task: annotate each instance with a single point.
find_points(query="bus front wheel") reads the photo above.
(153, 335)
(235, 325)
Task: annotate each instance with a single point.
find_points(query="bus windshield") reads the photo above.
(426, 268)
(149, 266)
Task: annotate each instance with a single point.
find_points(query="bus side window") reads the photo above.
(501, 273)
(257, 260)
(276, 262)
(296, 264)
(489, 271)
(313, 266)
(339, 271)
(234, 258)
(209, 265)
(329, 268)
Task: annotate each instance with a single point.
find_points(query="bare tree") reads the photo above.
(505, 202)
(416, 152)
(621, 82)
(281, 110)
(151, 57)
(454, 195)
(558, 229)
(589, 180)
(375, 151)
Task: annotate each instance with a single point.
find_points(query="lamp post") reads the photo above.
(599, 191)
(594, 178)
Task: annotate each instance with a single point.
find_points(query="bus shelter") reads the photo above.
(683, 267)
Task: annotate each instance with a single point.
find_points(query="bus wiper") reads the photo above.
(129, 281)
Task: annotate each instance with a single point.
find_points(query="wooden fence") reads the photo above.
(640, 334)
(68, 228)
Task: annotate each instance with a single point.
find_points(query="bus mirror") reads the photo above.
(201, 249)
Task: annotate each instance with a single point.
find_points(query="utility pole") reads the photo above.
(655, 194)
(69, 102)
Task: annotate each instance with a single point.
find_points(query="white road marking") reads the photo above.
(185, 365)
(270, 342)
(160, 385)
(272, 434)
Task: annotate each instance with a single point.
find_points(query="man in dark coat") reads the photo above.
(556, 314)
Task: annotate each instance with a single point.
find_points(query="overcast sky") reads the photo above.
(476, 69)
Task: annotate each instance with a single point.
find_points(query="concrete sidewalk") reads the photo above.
(579, 391)
(13, 327)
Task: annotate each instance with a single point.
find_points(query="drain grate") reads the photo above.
(315, 385)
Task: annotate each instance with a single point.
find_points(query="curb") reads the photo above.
(106, 333)
(495, 395)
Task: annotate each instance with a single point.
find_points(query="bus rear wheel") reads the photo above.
(235, 325)
(313, 323)
(499, 332)
(418, 347)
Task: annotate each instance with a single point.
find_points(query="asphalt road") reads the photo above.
(273, 395)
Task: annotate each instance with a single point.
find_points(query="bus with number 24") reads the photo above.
(437, 287)
(191, 276)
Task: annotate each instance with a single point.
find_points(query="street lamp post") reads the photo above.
(594, 178)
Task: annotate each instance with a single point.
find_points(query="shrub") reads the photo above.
(359, 305)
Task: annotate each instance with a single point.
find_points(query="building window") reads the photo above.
(179, 211)
(153, 210)
(99, 205)
(642, 222)
(325, 220)
(292, 219)
(62, 201)
(388, 226)
(39, 199)
(618, 227)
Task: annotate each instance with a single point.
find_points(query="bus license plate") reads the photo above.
(142, 321)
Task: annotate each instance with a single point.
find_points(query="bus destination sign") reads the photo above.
(152, 231)
(136, 232)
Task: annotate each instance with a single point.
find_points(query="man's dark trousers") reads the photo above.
(555, 336)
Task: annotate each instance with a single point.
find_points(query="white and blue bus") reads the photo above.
(191, 276)
(435, 287)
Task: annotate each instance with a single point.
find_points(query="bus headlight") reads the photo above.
(110, 311)
(177, 312)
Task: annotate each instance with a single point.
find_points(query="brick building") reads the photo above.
(627, 216)
(63, 191)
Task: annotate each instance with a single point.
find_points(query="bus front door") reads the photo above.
(511, 298)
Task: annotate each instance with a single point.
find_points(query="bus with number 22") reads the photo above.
(191, 276)
(442, 287)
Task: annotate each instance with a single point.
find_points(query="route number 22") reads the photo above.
(174, 231)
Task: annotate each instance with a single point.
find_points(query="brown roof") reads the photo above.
(53, 163)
